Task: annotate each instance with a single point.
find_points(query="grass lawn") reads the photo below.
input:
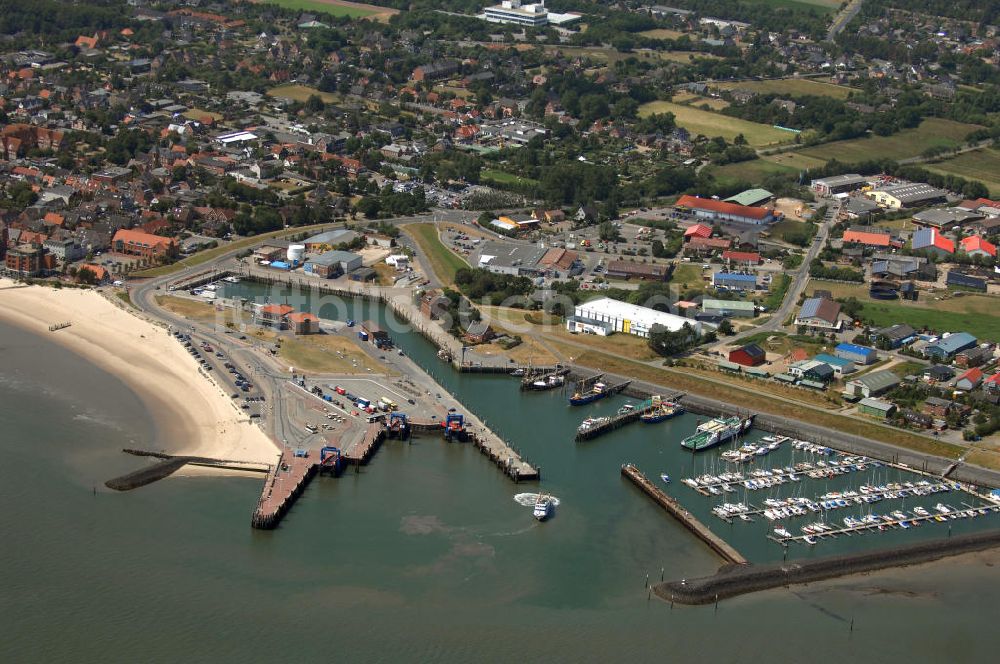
(792, 161)
(778, 230)
(821, 6)
(790, 86)
(698, 101)
(712, 124)
(215, 252)
(190, 309)
(503, 177)
(933, 132)
(444, 262)
(662, 33)
(529, 351)
(611, 56)
(325, 353)
(301, 93)
(982, 165)
(978, 315)
(751, 172)
(339, 9)
(687, 276)
(779, 287)
(750, 398)
(199, 114)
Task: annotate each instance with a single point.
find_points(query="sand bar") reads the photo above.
(193, 416)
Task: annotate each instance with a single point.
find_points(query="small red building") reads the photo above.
(750, 355)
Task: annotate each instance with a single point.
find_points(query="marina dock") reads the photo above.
(536, 375)
(284, 483)
(505, 458)
(688, 520)
(616, 422)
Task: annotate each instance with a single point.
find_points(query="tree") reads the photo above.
(368, 206)
(608, 232)
(725, 327)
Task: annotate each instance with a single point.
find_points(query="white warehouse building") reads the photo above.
(604, 316)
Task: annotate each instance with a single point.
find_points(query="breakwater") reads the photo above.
(169, 464)
(733, 580)
(688, 520)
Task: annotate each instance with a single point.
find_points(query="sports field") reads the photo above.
(712, 124)
(300, 93)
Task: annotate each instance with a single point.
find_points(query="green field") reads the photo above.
(346, 9)
(978, 315)
(503, 177)
(301, 93)
(444, 262)
(790, 86)
(821, 6)
(712, 124)
(752, 172)
(982, 165)
(933, 132)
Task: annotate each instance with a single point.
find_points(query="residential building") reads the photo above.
(741, 258)
(838, 184)
(303, 323)
(435, 71)
(478, 333)
(434, 306)
(631, 318)
(708, 208)
(750, 355)
(938, 373)
(974, 357)
(947, 347)
(65, 249)
(840, 365)
(969, 380)
(733, 308)
(273, 315)
(138, 243)
(24, 260)
(820, 312)
(734, 281)
(871, 384)
(857, 354)
(975, 245)
(332, 264)
(930, 239)
(877, 408)
(910, 194)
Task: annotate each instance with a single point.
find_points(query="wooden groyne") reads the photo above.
(146, 475)
(732, 581)
(688, 520)
(282, 486)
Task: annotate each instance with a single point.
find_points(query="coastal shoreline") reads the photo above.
(191, 414)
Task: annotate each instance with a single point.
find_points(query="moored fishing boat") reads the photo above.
(598, 391)
(715, 432)
(664, 411)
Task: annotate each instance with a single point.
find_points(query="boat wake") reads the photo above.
(529, 499)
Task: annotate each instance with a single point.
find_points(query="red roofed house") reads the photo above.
(53, 219)
(303, 323)
(867, 237)
(709, 208)
(137, 243)
(698, 230)
(970, 380)
(977, 246)
(273, 314)
(700, 244)
(992, 383)
(86, 42)
(741, 257)
(99, 272)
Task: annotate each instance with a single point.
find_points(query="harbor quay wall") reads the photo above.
(784, 426)
(734, 580)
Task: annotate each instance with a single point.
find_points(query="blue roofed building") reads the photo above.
(857, 354)
(841, 366)
(948, 347)
(734, 281)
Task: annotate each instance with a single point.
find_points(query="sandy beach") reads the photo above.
(193, 416)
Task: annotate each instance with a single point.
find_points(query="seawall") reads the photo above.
(734, 580)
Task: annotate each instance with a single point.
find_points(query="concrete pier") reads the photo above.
(688, 520)
(286, 481)
(361, 451)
